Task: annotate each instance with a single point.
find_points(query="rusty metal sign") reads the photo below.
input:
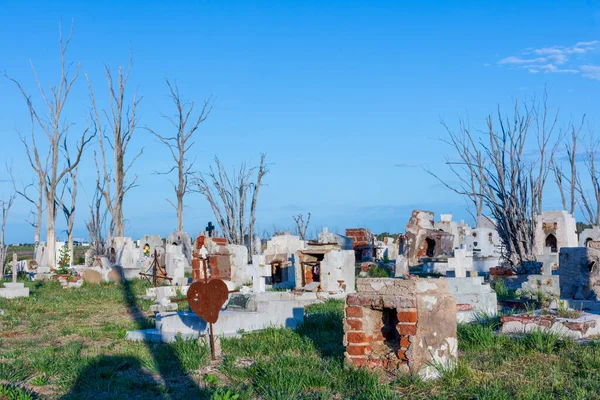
(207, 298)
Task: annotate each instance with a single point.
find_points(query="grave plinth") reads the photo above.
(14, 290)
(406, 325)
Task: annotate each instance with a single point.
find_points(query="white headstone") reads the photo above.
(401, 266)
(41, 258)
(175, 262)
(15, 268)
(259, 272)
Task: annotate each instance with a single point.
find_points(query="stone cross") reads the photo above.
(548, 259)
(15, 266)
(460, 263)
(209, 229)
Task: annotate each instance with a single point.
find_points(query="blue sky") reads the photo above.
(344, 97)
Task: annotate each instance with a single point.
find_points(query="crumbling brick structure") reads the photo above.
(219, 258)
(423, 240)
(401, 324)
(579, 273)
(363, 242)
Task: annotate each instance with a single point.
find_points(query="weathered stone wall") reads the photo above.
(401, 324)
(338, 271)
(579, 273)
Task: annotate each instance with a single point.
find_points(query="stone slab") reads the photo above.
(6, 293)
(586, 325)
(15, 285)
(271, 309)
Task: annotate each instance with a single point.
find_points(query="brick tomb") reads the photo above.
(401, 324)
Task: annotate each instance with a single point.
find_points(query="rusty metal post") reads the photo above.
(211, 334)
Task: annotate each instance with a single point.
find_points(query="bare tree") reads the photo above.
(590, 207)
(568, 194)
(5, 206)
(37, 200)
(544, 124)
(301, 226)
(96, 225)
(180, 143)
(227, 196)
(115, 135)
(68, 209)
(55, 127)
(509, 184)
(469, 168)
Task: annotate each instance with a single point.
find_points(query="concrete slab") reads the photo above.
(14, 293)
(245, 313)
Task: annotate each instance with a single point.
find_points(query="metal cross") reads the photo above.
(210, 228)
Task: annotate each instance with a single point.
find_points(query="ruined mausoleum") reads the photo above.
(225, 261)
(363, 243)
(589, 235)
(325, 267)
(555, 229)
(183, 240)
(280, 255)
(423, 240)
(580, 273)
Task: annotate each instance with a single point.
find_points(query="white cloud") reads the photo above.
(556, 59)
(590, 71)
(547, 68)
(519, 60)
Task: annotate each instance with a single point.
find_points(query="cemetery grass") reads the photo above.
(71, 344)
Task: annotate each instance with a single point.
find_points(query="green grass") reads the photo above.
(378, 271)
(70, 344)
(502, 291)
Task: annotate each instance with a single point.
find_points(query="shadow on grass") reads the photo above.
(118, 377)
(324, 326)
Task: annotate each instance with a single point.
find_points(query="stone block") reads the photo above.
(409, 322)
(14, 290)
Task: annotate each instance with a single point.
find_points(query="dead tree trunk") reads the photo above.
(262, 171)
(227, 197)
(180, 144)
(116, 134)
(5, 206)
(69, 210)
(52, 122)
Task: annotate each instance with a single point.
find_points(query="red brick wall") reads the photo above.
(360, 237)
(368, 342)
